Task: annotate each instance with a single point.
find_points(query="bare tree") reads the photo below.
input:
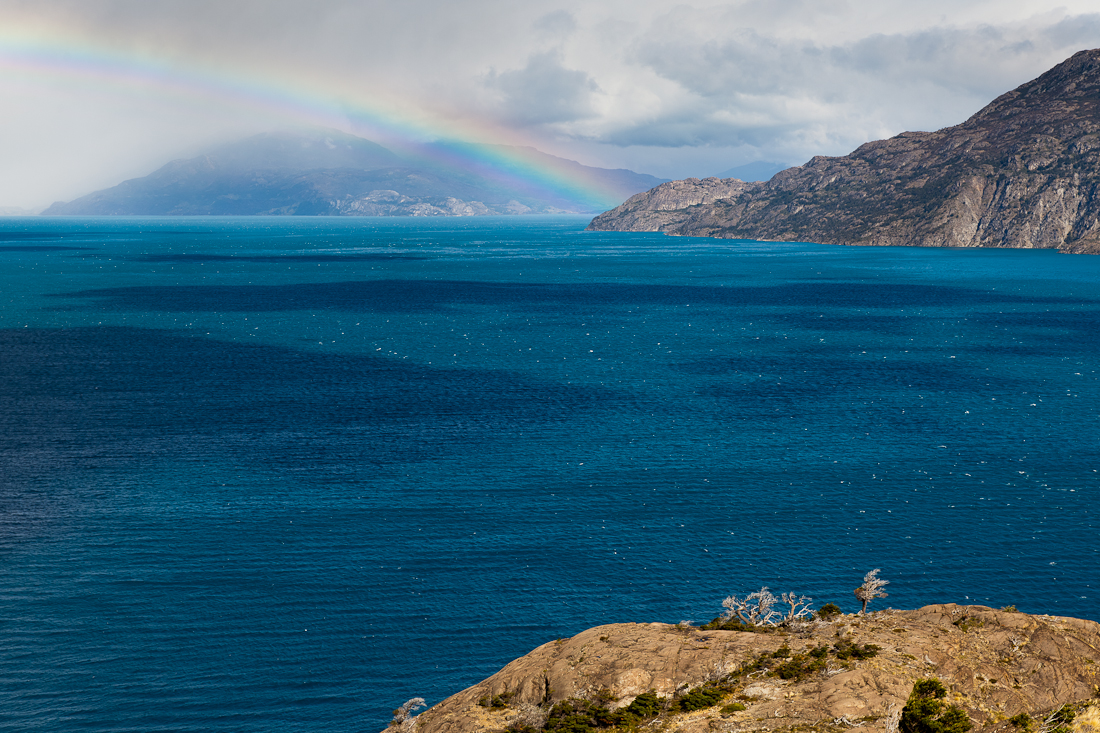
(755, 609)
(800, 605)
(1088, 721)
(403, 718)
(871, 589)
(720, 669)
(532, 715)
(893, 719)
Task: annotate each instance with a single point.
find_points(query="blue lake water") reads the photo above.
(284, 474)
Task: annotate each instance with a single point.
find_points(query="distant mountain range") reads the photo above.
(16, 211)
(1022, 172)
(330, 173)
(758, 170)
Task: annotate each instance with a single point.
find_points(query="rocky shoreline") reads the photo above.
(1024, 172)
(1008, 671)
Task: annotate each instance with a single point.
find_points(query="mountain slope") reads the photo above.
(758, 170)
(325, 172)
(1022, 172)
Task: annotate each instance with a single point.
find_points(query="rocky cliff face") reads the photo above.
(994, 664)
(1023, 172)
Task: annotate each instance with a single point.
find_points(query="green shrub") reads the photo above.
(762, 661)
(588, 716)
(955, 720)
(800, 666)
(1062, 719)
(699, 698)
(646, 705)
(726, 624)
(1023, 721)
(799, 669)
(966, 623)
(783, 663)
(828, 611)
(603, 698)
(846, 649)
(733, 707)
(925, 711)
(788, 665)
(578, 716)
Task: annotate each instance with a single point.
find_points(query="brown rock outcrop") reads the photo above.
(1023, 172)
(995, 664)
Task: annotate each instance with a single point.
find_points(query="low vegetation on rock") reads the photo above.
(939, 669)
(597, 712)
(926, 712)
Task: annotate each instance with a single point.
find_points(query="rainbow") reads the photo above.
(456, 143)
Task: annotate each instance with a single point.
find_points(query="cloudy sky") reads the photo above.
(94, 91)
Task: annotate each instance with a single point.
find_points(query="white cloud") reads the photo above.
(782, 92)
(823, 84)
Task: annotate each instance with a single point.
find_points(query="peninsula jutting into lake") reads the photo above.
(1022, 172)
(947, 668)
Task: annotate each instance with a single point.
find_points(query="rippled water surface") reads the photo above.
(277, 474)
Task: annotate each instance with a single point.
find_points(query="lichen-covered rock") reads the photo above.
(1023, 172)
(995, 664)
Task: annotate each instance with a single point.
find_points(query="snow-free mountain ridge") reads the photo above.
(1022, 172)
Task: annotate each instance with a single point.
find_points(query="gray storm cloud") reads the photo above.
(667, 88)
(544, 92)
(781, 94)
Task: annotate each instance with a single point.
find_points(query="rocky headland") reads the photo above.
(1023, 172)
(1007, 671)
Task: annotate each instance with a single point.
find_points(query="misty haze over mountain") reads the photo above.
(326, 172)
